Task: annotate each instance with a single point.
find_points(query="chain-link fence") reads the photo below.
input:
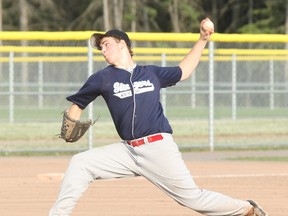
(237, 97)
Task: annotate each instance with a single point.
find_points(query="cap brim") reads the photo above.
(95, 40)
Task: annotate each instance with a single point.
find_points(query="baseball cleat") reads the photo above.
(258, 211)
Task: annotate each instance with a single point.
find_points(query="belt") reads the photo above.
(148, 139)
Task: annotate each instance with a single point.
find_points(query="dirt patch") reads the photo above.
(29, 186)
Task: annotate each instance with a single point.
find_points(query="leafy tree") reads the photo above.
(268, 17)
(229, 16)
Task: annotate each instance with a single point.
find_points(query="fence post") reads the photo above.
(40, 84)
(163, 98)
(211, 95)
(11, 87)
(234, 82)
(271, 78)
(193, 90)
(90, 107)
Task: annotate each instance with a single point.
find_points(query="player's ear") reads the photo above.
(122, 44)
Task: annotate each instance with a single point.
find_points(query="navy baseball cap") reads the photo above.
(96, 38)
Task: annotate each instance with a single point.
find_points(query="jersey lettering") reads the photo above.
(122, 90)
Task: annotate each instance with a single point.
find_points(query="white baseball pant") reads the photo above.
(160, 162)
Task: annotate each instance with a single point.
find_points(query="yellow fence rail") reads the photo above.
(144, 36)
(142, 54)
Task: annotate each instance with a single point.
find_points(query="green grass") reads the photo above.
(35, 130)
(54, 113)
(194, 133)
(226, 112)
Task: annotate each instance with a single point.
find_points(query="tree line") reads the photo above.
(229, 16)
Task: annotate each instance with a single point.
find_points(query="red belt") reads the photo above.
(150, 139)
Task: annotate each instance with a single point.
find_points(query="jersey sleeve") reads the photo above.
(168, 76)
(88, 92)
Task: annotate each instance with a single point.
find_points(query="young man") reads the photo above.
(132, 94)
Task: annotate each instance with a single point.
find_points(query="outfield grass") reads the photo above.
(53, 114)
(36, 130)
(244, 133)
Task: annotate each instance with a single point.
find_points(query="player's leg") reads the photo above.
(111, 161)
(162, 164)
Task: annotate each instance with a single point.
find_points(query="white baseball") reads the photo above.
(208, 26)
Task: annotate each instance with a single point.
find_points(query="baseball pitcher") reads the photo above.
(132, 94)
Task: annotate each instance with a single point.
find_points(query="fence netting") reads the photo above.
(250, 93)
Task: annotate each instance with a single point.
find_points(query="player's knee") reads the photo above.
(77, 161)
(76, 158)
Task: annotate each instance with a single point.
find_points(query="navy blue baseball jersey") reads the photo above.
(133, 99)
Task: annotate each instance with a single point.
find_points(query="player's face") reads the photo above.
(110, 49)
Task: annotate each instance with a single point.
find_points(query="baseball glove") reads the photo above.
(72, 130)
